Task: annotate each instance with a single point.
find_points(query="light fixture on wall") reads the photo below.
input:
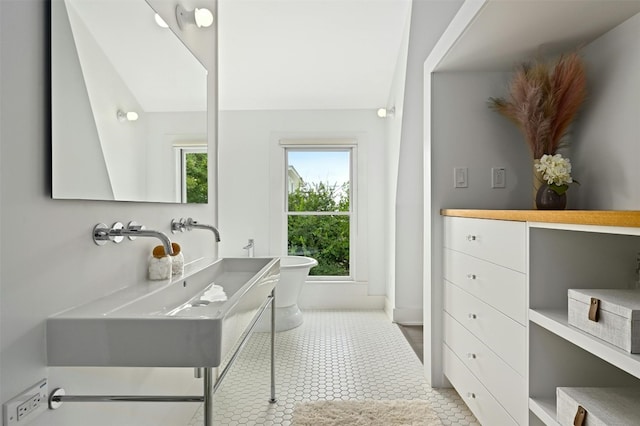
(384, 112)
(161, 22)
(126, 116)
(198, 17)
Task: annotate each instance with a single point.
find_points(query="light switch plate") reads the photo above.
(460, 175)
(498, 177)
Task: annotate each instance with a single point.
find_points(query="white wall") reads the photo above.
(605, 148)
(428, 20)
(49, 262)
(251, 161)
(393, 127)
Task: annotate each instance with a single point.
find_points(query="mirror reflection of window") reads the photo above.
(193, 174)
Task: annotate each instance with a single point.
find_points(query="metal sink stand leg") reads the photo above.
(273, 399)
(58, 395)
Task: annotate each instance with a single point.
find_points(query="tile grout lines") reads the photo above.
(332, 355)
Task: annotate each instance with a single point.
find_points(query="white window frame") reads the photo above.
(317, 145)
(181, 152)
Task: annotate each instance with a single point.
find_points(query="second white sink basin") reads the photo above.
(165, 324)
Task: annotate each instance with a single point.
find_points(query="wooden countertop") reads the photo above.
(629, 218)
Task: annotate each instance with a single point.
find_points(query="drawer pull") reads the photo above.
(471, 395)
(473, 316)
(594, 310)
(472, 276)
(471, 356)
(471, 238)
(580, 417)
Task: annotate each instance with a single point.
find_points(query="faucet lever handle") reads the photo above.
(178, 225)
(100, 234)
(135, 227)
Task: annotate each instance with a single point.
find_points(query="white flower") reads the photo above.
(555, 169)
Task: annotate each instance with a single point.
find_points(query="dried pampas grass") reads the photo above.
(543, 101)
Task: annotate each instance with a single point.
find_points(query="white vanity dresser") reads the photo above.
(507, 343)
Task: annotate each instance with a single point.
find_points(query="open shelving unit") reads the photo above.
(545, 410)
(583, 256)
(556, 322)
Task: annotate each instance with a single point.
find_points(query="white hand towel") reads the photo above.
(215, 293)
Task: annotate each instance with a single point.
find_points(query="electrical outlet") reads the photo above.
(24, 407)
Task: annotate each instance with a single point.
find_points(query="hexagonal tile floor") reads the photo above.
(332, 355)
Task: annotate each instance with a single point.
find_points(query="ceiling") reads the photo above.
(322, 54)
(273, 54)
(505, 33)
(308, 54)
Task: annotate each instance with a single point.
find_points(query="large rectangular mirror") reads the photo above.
(129, 106)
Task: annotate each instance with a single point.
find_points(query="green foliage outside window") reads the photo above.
(196, 172)
(323, 237)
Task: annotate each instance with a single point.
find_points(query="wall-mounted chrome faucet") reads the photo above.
(250, 247)
(181, 225)
(116, 233)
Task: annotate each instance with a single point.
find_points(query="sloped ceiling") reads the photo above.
(273, 54)
(308, 54)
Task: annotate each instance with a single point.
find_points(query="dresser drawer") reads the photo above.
(507, 386)
(501, 334)
(480, 401)
(500, 287)
(498, 241)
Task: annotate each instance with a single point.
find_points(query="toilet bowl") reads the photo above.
(293, 274)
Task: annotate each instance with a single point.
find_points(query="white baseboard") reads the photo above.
(338, 295)
(388, 308)
(408, 316)
(404, 316)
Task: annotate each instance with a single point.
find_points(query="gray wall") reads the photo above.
(606, 139)
(49, 262)
(465, 133)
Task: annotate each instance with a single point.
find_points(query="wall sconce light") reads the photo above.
(198, 17)
(161, 22)
(126, 116)
(384, 112)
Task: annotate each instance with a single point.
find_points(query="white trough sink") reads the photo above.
(165, 324)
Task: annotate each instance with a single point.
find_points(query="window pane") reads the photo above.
(196, 176)
(325, 238)
(318, 181)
